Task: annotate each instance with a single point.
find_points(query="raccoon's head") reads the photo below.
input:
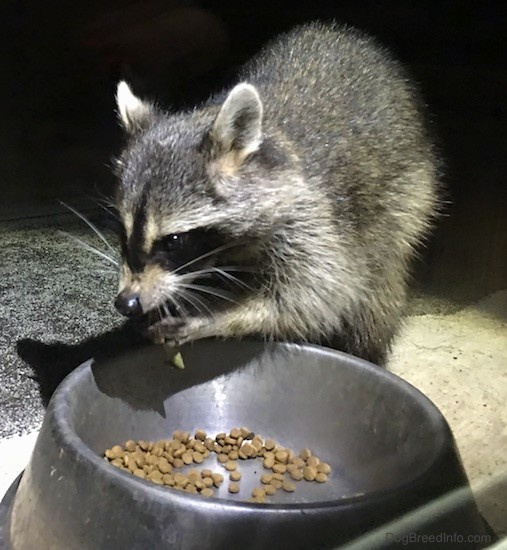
(196, 194)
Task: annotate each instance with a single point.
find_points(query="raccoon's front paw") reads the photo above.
(175, 335)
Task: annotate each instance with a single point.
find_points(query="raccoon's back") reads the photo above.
(327, 78)
(353, 116)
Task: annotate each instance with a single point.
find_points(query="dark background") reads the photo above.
(60, 62)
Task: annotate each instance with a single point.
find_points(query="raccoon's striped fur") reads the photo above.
(287, 207)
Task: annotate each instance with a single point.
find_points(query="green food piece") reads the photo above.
(174, 357)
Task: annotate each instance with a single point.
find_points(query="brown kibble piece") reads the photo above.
(206, 473)
(309, 473)
(246, 432)
(279, 468)
(282, 456)
(248, 450)
(193, 476)
(235, 433)
(221, 435)
(277, 484)
(218, 479)
(259, 492)
(269, 444)
(222, 458)
(305, 453)
(156, 477)
(197, 457)
(231, 465)
(152, 460)
(235, 475)
(270, 489)
(233, 488)
(168, 480)
(278, 475)
(180, 479)
(192, 489)
(266, 478)
(257, 500)
(297, 475)
(199, 447)
(312, 461)
(139, 473)
(187, 458)
(130, 445)
(157, 451)
(178, 463)
(288, 486)
(321, 478)
(233, 455)
(208, 481)
(257, 443)
(200, 435)
(207, 492)
(298, 461)
(199, 484)
(268, 463)
(180, 451)
(324, 468)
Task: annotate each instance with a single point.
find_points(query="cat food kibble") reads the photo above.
(235, 475)
(165, 462)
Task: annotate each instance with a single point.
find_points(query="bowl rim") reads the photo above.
(59, 405)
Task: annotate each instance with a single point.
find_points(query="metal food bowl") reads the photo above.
(390, 450)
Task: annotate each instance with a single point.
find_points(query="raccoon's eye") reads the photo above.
(173, 242)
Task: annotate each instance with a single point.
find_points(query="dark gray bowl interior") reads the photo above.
(388, 446)
(375, 433)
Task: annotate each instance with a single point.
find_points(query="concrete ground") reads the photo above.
(54, 295)
(459, 360)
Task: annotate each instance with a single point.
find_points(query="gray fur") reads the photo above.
(331, 182)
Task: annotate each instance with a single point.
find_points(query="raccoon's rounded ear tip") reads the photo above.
(245, 88)
(123, 89)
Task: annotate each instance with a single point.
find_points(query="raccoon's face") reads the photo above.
(183, 234)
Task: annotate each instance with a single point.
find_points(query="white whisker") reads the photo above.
(207, 290)
(92, 226)
(187, 295)
(206, 255)
(232, 278)
(89, 247)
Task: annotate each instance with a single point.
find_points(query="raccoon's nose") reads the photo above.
(128, 304)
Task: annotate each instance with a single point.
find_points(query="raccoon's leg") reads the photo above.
(369, 333)
(255, 316)
(350, 341)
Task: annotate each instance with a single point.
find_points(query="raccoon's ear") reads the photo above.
(238, 126)
(135, 114)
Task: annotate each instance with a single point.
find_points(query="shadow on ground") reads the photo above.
(51, 363)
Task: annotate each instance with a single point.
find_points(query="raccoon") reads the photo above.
(287, 207)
